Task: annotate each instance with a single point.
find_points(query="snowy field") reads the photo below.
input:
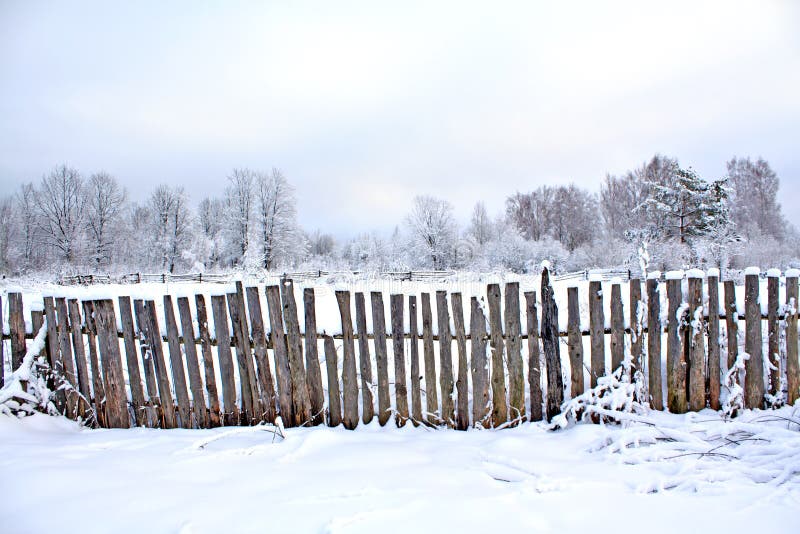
(58, 477)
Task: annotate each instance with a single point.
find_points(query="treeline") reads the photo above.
(660, 214)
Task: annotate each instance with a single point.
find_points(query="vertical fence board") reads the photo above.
(676, 364)
(263, 368)
(192, 363)
(479, 365)
(53, 347)
(241, 342)
(138, 403)
(81, 365)
(2, 348)
(398, 352)
(635, 317)
(416, 376)
(754, 366)
(617, 328)
(16, 327)
(445, 358)
(365, 363)
(516, 373)
(654, 330)
(773, 335)
(67, 360)
(230, 414)
(534, 357)
(714, 373)
(792, 363)
(349, 379)
(462, 387)
(334, 399)
(697, 350)
(98, 388)
(116, 397)
(283, 375)
(499, 403)
(731, 322)
(381, 362)
(431, 396)
(574, 342)
(316, 394)
(552, 350)
(255, 393)
(155, 411)
(208, 361)
(301, 404)
(597, 331)
(176, 364)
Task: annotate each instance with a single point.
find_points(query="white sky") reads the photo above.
(365, 104)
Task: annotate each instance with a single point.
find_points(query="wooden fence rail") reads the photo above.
(125, 372)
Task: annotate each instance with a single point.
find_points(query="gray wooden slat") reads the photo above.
(154, 409)
(176, 364)
(81, 365)
(431, 395)
(263, 368)
(574, 342)
(381, 359)
(250, 409)
(365, 363)
(551, 348)
(617, 328)
(67, 359)
(636, 307)
(300, 401)
(446, 382)
(316, 394)
(654, 329)
(516, 373)
(676, 362)
(773, 335)
(334, 397)
(398, 353)
(498, 379)
(731, 322)
(481, 407)
(792, 363)
(696, 387)
(230, 413)
(754, 366)
(192, 363)
(53, 348)
(283, 375)
(416, 375)
(714, 363)
(597, 331)
(534, 357)
(208, 361)
(138, 404)
(98, 388)
(349, 375)
(108, 342)
(462, 386)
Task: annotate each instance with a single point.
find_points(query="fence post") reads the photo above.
(694, 337)
(773, 339)
(283, 375)
(398, 352)
(654, 330)
(792, 364)
(349, 380)
(596, 330)
(230, 414)
(381, 361)
(208, 362)
(300, 401)
(431, 397)
(97, 375)
(247, 381)
(416, 394)
(478, 367)
(731, 323)
(552, 351)
(617, 328)
(499, 402)
(445, 358)
(365, 363)
(192, 363)
(116, 398)
(754, 366)
(334, 399)
(313, 373)
(516, 374)
(574, 342)
(676, 363)
(714, 363)
(635, 316)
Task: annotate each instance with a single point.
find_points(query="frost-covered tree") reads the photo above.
(279, 237)
(170, 220)
(29, 254)
(105, 199)
(210, 214)
(531, 213)
(61, 202)
(7, 231)
(239, 199)
(432, 231)
(574, 217)
(480, 225)
(754, 199)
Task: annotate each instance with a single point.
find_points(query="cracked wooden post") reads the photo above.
(138, 403)
(349, 378)
(534, 357)
(731, 323)
(635, 308)
(574, 342)
(431, 395)
(654, 330)
(499, 401)
(208, 361)
(446, 381)
(617, 328)
(334, 398)
(696, 390)
(754, 366)
(108, 340)
(551, 348)
(398, 353)
(462, 388)
(192, 363)
(676, 363)
(516, 374)
(381, 359)
(714, 363)
(313, 373)
(364, 359)
(597, 329)
(792, 363)
(479, 365)
(300, 400)
(230, 413)
(773, 334)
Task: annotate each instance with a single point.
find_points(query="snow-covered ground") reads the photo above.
(58, 477)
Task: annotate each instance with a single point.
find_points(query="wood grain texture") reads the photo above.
(731, 322)
(773, 335)
(267, 397)
(462, 384)
(248, 393)
(192, 364)
(364, 358)
(792, 363)
(534, 357)
(516, 373)
(177, 365)
(597, 331)
(446, 381)
(208, 361)
(381, 359)
(754, 366)
(283, 375)
(431, 392)
(138, 402)
(230, 412)
(713, 380)
(696, 391)
(676, 362)
(301, 405)
(498, 379)
(334, 397)
(349, 377)
(111, 361)
(617, 328)
(398, 353)
(479, 366)
(316, 394)
(574, 342)
(654, 329)
(551, 348)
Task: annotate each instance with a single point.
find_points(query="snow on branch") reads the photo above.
(26, 391)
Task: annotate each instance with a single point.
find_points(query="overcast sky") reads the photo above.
(364, 105)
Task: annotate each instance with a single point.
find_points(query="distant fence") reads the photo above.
(493, 371)
(418, 276)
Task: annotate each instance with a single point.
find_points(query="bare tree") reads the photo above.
(170, 221)
(210, 215)
(239, 205)
(480, 226)
(105, 199)
(278, 234)
(61, 201)
(754, 203)
(27, 216)
(7, 231)
(432, 230)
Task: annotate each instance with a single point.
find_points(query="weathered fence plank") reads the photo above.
(381, 361)
(268, 398)
(597, 331)
(635, 316)
(155, 410)
(516, 373)
(16, 327)
(773, 334)
(431, 396)
(349, 379)
(792, 363)
(334, 399)
(116, 397)
(192, 363)
(283, 375)
(714, 363)
(53, 347)
(731, 322)
(462, 387)
(176, 364)
(617, 328)
(499, 401)
(367, 404)
(654, 329)
(316, 394)
(98, 389)
(534, 357)
(676, 363)
(67, 359)
(81, 365)
(445, 358)
(574, 342)
(248, 390)
(552, 350)
(697, 351)
(754, 366)
(398, 352)
(230, 414)
(301, 405)
(208, 361)
(416, 376)
(138, 404)
(481, 409)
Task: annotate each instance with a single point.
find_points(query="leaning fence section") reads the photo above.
(492, 360)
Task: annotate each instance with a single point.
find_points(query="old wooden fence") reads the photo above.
(247, 370)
